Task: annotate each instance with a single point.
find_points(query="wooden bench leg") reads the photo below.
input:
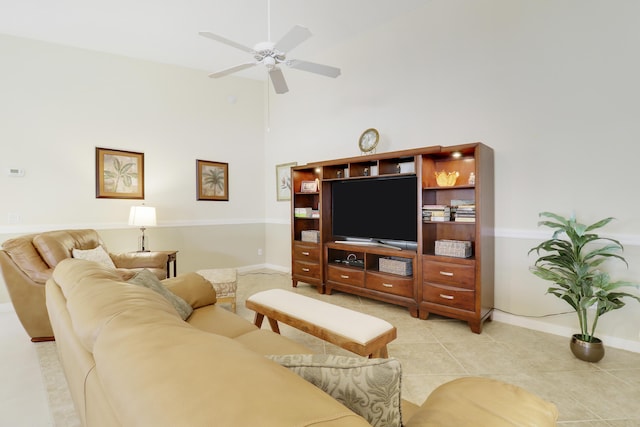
(274, 325)
(380, 353)
(257, 320)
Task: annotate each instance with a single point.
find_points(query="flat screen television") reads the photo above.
(376, 209)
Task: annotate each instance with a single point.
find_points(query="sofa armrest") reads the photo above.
(193, 288)
(140, 259)
(476, 401)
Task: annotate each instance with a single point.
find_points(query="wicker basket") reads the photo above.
(312, 236)
(396, 265)
(454, 248)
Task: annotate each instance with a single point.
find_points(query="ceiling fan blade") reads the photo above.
(232, 70)
(312, 67)
(277, 79)
(228, 42)
(293, 38)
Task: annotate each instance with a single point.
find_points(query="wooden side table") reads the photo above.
(172, 257)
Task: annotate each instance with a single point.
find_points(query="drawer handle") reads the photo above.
(344, 276)
(306, 270)
(305, 253)
(387, 285)
(446, 296)
(446, 273)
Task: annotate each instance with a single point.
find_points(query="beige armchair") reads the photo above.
(28, 261)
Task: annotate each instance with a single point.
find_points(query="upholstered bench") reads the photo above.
(225, 282)
(357, 332)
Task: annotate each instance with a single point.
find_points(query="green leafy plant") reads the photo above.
(571, 263)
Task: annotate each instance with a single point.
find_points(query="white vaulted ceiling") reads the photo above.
(166, 31)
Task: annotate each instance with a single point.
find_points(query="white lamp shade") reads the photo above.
(142, 216)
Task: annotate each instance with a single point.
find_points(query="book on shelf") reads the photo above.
(464, 211)
(465, 219)
(437, 219)
(462, 202)
(438, 213)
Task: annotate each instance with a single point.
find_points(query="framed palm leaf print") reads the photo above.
(119, 174)
(212, 180)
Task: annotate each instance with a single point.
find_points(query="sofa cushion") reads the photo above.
(95, 295)
(193, 288)
(219, 320)
(97, 254)
(149, 280)
(27, 258)
(265, 342)
(55, 246)
(176, 375)
(486, 402)
(369, 387)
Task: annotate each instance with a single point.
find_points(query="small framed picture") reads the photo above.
(309, 187)
(283, 181)
(212, 180)
(119, 174)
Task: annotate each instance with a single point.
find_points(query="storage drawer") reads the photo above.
(449, 296)
(310, 252)
(309, 269)
(392, 285)
(348, 276)
(460, 275)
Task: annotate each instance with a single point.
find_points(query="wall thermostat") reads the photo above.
(15, 172)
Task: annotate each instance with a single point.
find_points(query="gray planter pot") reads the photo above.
(588, 351)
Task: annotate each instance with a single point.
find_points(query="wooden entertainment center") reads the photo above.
(431, 274)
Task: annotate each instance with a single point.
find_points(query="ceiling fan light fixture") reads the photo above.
(272, 54)
(269, 62)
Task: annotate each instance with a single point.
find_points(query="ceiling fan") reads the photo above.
(273, 56)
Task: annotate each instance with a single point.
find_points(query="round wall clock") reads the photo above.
(368, 140)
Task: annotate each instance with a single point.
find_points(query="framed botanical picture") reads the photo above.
(119, 174)
(212, 180)
(283, 181)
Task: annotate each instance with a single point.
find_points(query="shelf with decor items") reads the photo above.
(376, 272)
(458, 254)
(306, 221)
(370, 166)
(429, 265)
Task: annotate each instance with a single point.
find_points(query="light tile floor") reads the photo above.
(23, 400)
(438, 350)
(432, 352)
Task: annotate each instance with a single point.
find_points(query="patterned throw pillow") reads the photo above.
(369, 387)
(97, 254)
(149, 280)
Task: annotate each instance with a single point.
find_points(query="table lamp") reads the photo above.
(142, 216)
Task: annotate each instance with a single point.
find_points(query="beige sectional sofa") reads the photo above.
(131, 360)
(28, 261)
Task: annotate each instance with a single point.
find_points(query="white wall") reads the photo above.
(58, 104)
(551, 85)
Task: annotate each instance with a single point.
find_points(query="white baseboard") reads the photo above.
(250, 268)
(562, 331)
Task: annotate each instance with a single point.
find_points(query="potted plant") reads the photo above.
(570, 259)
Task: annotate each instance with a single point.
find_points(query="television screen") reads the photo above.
(376, 208)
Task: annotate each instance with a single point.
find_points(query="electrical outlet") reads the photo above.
(260, 252)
